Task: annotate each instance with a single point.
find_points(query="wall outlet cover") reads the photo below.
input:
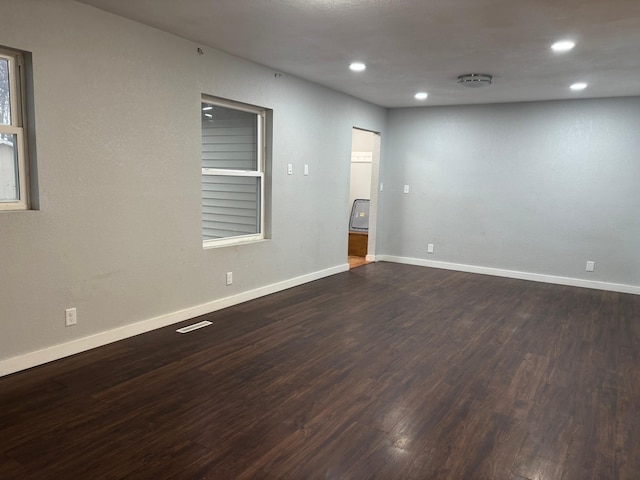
(70, 317)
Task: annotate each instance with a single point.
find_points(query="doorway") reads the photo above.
(363, 196)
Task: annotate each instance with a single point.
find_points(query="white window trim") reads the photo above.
(16, 89)
(259, 173)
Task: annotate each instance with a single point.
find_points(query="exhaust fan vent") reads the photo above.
(475, 80)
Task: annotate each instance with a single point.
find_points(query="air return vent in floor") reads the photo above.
(193, 327)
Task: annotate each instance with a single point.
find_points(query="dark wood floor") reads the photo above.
(387, 372)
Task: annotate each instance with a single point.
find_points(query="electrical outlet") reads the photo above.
(406, 189)
(306, 169)
(591, 266)
(430, 248)
(229, 278)
(381, 186)
(289, 169)
(70, 317)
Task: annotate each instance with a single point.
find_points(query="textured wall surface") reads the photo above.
(118, 233)
(532, 187)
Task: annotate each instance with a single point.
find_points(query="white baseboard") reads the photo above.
(39, 357)
(370, 258)
(535, 277)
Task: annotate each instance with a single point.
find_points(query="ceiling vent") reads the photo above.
(475, 80)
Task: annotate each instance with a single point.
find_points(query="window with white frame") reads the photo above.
(233, 166)
(13, 155)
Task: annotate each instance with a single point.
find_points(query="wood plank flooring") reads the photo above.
(355, 261)
(384, 372)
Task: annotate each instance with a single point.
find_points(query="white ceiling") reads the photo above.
(418, 45)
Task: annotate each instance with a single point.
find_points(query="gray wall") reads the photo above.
(530, 187)
(118, 233)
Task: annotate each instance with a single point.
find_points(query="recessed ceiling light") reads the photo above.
(358, 66)
(563, 46)
(421, 95)
(578, 86)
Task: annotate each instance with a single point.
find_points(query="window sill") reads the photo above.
(16, 209)
(231, 243)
